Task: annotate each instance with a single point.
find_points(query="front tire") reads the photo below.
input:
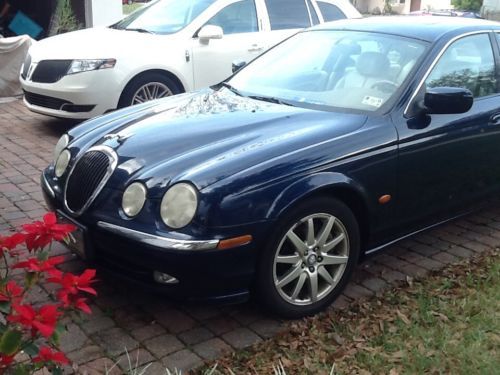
(149, 86)
(310, 259)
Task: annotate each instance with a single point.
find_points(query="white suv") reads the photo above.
(165, 48)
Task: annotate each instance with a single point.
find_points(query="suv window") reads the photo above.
(312, 11)
(287, 14)
(467, 63)
(330, 12)
(240, 17)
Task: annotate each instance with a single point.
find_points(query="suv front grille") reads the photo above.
(88, 177)
(50, 71)
(44, 101)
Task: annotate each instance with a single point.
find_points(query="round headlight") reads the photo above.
(62, 143)
(178, 205)
(62, 162)
(133, 199)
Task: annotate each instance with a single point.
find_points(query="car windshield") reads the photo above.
(331, 69)
(164, 16)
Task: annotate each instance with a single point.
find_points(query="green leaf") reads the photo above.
(30, 279)
(60, 329)
(10, 342)
(5, 307)
(56, 371)
(22, 370)
(31, 349)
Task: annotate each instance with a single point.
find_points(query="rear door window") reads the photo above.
(330, 12)
(314, 15)
(287, 14)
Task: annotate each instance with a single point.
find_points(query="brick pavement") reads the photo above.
(162, 333)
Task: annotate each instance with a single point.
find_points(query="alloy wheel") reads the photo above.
(151, 91)
(311, 258)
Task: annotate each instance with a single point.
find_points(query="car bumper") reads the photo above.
(79, 96)
(201, 270)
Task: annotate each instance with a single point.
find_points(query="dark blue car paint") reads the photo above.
(252, 161)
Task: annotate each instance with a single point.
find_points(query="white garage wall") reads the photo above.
(102, 12)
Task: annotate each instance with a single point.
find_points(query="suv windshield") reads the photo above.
(164, 16)
(332, 69)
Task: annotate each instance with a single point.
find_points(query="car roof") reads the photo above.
(428, 28)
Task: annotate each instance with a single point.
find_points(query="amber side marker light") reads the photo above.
(384, 199)
(234, 242)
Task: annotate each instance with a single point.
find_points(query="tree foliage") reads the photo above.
(473, 5)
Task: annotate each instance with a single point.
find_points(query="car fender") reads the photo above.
(308, 186)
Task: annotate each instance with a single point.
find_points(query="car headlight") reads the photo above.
(62, 163)
(179, 205)
(133, 199)
(62, 143)
(78, 66)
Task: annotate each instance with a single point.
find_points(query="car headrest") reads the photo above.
(372, 64)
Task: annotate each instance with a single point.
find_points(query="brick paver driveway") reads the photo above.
(168, 333)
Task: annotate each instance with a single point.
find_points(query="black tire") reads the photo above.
(142, 80)
(266, 287)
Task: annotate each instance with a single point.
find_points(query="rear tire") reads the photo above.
(310, 259)
(149, 86)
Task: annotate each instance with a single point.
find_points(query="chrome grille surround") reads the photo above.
(112, 163)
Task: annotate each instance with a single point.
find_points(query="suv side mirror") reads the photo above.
(448, 100)
(208, 32)
(237, 65)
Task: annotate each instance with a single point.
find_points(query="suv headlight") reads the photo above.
(179, 205)
(78, 66)
(133, 199)
(62, 163)
(62, 143)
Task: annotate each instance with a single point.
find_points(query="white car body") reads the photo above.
(186, 59)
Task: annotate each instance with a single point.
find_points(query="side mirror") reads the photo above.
(208, 32)
(448, 100)
(237, 65)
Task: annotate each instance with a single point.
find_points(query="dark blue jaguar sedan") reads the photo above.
(337, 142)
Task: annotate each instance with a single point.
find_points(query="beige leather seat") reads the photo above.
(371, 67)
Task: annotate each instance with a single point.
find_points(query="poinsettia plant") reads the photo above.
(35, 330)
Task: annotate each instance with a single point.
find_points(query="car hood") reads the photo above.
(94, 43)
(210, 136)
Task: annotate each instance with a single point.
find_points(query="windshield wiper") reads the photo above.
(270, 99)
(139, 30)
(233, 89)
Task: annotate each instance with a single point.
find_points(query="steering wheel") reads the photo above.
(385, 86)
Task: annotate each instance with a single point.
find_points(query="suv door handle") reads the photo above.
(495, 119)
(255, 48)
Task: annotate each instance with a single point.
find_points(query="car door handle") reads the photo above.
(494, 120)
(255, 48)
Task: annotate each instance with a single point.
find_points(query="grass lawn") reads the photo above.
(448, 323)
(127, 9)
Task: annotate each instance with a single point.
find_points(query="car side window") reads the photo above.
(314, 15)
(287, 14)
(467, 63)
(330, 12)
(239, 17)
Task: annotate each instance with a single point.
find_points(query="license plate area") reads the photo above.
(77, 242)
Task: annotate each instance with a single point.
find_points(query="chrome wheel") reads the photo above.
(311, 258)
(151, 91)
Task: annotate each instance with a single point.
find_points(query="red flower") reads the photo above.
(48, 355)
(81, 304)
(40, 234)
(10, 242)
(6, 360)
(72, 284)
(43, 320)
(36, 265)
(11, 291)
